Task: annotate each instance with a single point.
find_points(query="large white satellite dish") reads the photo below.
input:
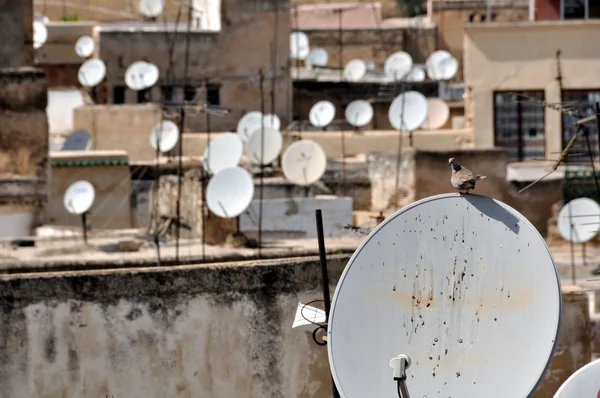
(248, 123)
(437, 114)
(40, 34)
(229, 192)
(355, 70)
(585, 382)
(416, 74)
(91, 72)
(78, 140)
(164, 136)
(151, 8)
(579, 220)
(442, 281)
(441, 65)
(304, 162)
(79, 197)
(273, 141)
(359, 113)
(84, 46)
(398, 64)
(141, 75)
(321, 114)
(408, 111)
(222, 152)
(272, 121)
(299, 45)
(317, 57)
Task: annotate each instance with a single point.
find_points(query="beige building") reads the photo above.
(510, 68)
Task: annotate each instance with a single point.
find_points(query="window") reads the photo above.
(118, 94)
(579, 9)
(519, 124)
(189, 93)
(213, 96)
(582, 101)
(167, 93)
(143, 96)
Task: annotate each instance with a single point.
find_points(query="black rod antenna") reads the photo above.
(261, 89)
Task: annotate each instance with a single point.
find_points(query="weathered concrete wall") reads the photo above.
(120, 127)
(16, 30)
(573, 347)
(108, 172)
(433, 177)
(192, 331)
(392, 180)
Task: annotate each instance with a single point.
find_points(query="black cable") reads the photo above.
(308, 320)
(399, 384)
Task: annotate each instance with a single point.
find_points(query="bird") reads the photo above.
(462, 178)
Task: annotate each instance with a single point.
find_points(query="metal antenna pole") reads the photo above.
(262, 154)
(325, 278)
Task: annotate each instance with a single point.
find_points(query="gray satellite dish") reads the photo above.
(141, 75)
(408, 111)
(259, 154)
(579, 220)
(248, 123)
(222, 152)
(164, 136)
(442, 281)
(398, 65)
(84, 46)
(79, 197)
(317, 57)
(229, 192)
(441, 65)
(321, 114)
(359, 113)
(585, 382)
(304, 162)
(355, 70)
(91, 72)
(78, 140)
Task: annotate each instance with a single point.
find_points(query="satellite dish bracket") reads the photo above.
(399, 365)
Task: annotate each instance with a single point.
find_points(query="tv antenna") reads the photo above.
(437, 114)
(90, 74)
(304, 162)
(248, 123)
(578, 222)
(582, 383)
(40, 34)
(317, 57)
(224, 151)
(85, 46)
(359, 113)
(398, 65)
(229, 192)
(355, 70)
(78, 140)
(78, 200)
(443, 283)
(441, 65)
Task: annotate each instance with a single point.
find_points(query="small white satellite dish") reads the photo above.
(164, 136)
(408, 111)
(398, 64)
(307, 315)
(317, 57)
(84, 46)
(355, 70)
(299, 45)
(579, 220)
(416, 74)
(222, 152)
(437, 114)
(273, 141)
(91, 72)
(248, 123)
(370, 65)
(141, 75)
(359, 113)
(151, 8)
(229, 192)
(321, 114)
(78, 140)
(443, 283)
(272, 121)
(585, 382)
(79, 197)
(304, 162)
(40, 34)
(441, 65)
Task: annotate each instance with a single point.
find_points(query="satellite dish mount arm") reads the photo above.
(399, 365)
(84, 226)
